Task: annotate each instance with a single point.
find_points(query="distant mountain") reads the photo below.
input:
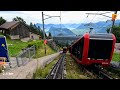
(71, 26)
(48, 26)
(99, 27)
(79, 29)
(60, 32)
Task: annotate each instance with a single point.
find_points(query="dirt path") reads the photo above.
(26, 72)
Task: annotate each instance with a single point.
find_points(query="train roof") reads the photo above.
(98, 36)
(101, 36)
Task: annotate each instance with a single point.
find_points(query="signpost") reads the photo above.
(45, 41)
(4, 57)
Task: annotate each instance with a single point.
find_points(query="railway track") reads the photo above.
(57, 71)
(103, 74)
(97, 72)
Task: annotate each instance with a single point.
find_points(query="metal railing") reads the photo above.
(26, 56)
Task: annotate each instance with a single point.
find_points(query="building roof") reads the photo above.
(8, 25)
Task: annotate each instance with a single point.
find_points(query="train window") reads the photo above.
(80, 48)
(100, 49)
(77, 49)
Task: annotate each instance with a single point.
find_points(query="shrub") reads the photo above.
(37, 44)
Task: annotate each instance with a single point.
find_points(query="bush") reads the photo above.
(37, 44)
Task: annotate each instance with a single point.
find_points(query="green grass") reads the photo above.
(73, 70)
(41, 51)
(116, 57)
(42, 73)
(16, 47)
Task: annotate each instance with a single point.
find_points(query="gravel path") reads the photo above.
(117, 47)
(26, 72)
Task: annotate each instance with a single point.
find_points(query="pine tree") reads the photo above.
(19, 19)
(2, 21)
(50, 34)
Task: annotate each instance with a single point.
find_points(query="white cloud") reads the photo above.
(66, 16)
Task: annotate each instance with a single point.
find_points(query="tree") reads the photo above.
(19, 19)
(36, 30)
(49, 35)
(2, 21)
(31, 24)
(35, 26)
(45, 35)
(42, 34)
(39, 29)
(116, 31)
(108, 30)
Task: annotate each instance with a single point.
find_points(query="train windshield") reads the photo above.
(100, 49)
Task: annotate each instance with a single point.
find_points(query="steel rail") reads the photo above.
(57, 71)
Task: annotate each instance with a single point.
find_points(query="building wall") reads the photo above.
(14, 37)
(20, 30)
(35, 36)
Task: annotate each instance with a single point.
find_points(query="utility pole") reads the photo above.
(113, 21)
(44, 28)
(43, 31)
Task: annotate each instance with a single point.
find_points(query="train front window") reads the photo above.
(100, 49)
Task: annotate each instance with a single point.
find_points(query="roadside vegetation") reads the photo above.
(16, 46)
(41, 73)
(73, 70)
(116, 57)
(41, 51)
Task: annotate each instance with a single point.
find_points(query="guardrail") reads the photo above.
(26, 56)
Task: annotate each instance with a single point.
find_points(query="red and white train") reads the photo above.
(93, 49)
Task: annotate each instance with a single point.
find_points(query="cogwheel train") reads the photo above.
(93, 49)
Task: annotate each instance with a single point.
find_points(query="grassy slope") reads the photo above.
(73, 70)
(18, 45)
(42, 73)
(116, 57)
(41, 51)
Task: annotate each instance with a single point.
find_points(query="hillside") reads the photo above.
(81, 28)
(16, 46)
(57, 31)
(48, 26)
(99, 27)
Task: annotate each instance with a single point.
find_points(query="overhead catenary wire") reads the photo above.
(94, 17)
(99, 14)
(60, 21)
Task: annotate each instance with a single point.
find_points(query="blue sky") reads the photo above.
(66, 16)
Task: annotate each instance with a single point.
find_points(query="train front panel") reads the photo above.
(94, 49)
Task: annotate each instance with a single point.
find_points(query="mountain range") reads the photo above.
(78, 29)
(60, 31)
(48, 26)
